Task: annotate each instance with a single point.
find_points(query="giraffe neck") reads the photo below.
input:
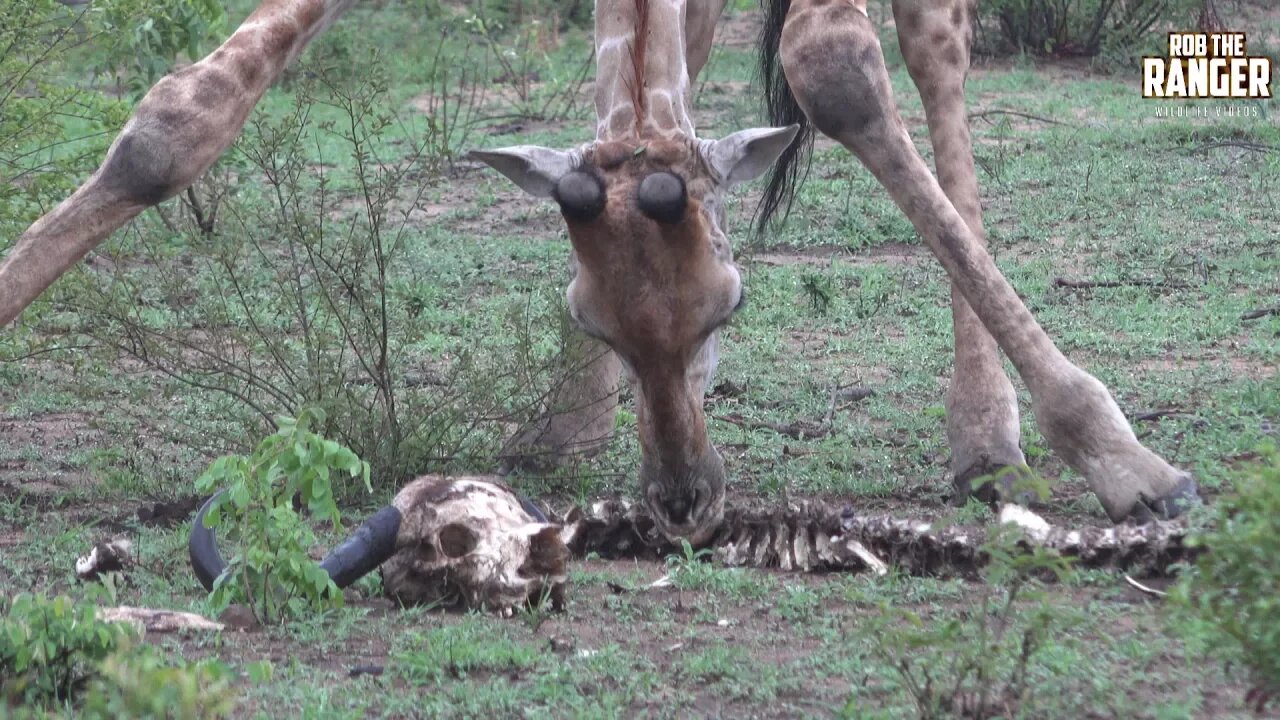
(642, 82)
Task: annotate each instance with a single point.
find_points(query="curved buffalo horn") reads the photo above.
(662, 197)
(367, 548)
(580, 194)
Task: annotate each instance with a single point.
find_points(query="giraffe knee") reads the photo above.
(139, 167)
(166, 145)
(835, 68)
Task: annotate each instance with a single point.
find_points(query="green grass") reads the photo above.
(1097, 188)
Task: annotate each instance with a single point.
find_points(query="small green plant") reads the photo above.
(977, 664)
(1016, 482)
(51, 647)
(687, 558)
(272, 573)
(1231, 592)
(874, 293)
(819, 289)
(538, 611)
(142, 684)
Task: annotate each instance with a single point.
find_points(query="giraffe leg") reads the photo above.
(699, 33)
(578, 417)
(182, 125)
(835, 68)
(982, 407)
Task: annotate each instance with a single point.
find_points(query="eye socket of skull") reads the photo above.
(662, 197)
(457, 540)
(547, 554)
(580, 194)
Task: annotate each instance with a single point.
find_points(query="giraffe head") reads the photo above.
(654, 278)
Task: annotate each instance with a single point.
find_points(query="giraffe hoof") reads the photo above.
(992, 484)
(1184, 496)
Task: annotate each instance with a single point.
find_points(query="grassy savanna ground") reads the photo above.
(1081, 181)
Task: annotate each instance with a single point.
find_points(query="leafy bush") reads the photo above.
(1076, 27)
(55, 652)
(272, 573)
(51, 130)
(978, 664)
(149, 36)
(1232, 595)
(51, 647)
(291, 277)
(143, 685)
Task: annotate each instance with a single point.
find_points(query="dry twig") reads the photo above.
(986, 114)
(1136, 282)
(1261, 313)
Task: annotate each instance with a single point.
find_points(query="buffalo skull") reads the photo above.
(461, 542)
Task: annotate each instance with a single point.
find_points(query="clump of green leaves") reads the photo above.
(1233, 592)
(272, 573)
(978, 663)
(143, 684)
(55, 650)
(51, 129)
(149, 36)
(51, 647)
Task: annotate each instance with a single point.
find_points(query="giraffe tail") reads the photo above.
(782, 109)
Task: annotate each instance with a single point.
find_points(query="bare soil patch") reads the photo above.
(825, 255)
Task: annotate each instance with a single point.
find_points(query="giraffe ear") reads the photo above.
(747, 154)
(535, 169)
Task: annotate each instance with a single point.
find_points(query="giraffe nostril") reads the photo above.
(662, 197)
(678, 509)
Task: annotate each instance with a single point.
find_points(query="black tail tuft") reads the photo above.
(780, 105)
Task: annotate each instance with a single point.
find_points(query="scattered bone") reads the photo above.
(815, 537)
(1035, 526)
(105, 557)
(662, 582)
(1144, 588)
(160, 621)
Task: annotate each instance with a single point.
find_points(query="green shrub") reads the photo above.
(979, 663)
(143, 685)
(51, 130)
(272, 572)
(1232, 594)
(51, 647)
(148, 36)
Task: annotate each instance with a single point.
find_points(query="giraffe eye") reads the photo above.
(662, 197)
(580, 194)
